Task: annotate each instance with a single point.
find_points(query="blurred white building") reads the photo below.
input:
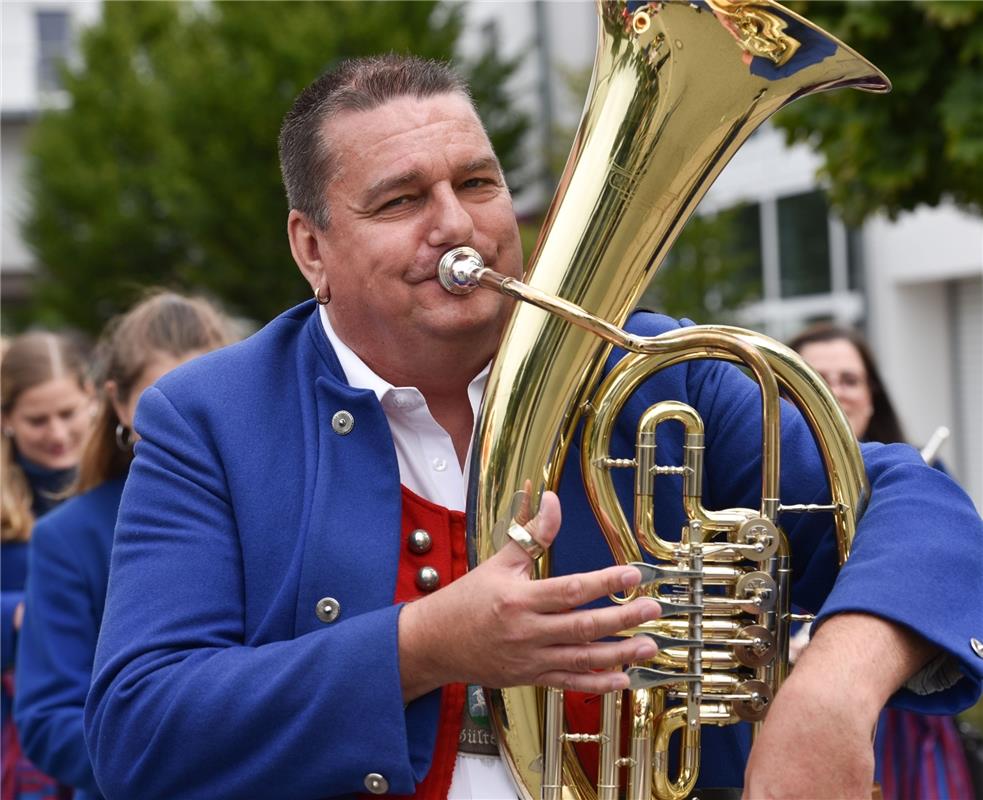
(915, 285)
(35, 37)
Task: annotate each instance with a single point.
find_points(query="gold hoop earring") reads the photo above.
(317, 296)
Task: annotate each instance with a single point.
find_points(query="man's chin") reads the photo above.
(468, 322)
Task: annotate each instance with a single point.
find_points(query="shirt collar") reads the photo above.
(360, 376)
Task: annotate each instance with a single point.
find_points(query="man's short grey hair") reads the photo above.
(306, 161)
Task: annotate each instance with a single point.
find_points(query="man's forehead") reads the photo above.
(444, 128)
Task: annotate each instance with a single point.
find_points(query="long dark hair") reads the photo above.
(163, 323)
(884, 425)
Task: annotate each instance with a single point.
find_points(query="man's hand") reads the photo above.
(817, 739)
(497, 627)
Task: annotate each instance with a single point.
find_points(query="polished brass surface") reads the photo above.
(671, 100)
(756, 31)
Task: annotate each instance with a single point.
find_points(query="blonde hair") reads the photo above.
(165, 323)
(28, 361)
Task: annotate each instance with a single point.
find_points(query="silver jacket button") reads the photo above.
(327, 609)
(977, 646)
(342, 423)
(427, 579)
(420, 542)
(376, 784)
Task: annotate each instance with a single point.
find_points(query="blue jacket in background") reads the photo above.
(214, 676)
(66, 593)
(47, 486)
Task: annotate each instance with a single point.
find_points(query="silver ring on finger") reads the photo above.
(518, 534)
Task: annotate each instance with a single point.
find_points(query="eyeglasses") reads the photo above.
(844, 380)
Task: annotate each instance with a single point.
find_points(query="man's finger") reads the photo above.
(572, 591)
(600, 655)
(587, 682)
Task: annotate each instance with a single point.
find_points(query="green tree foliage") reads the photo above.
(712, 269)
(162, 168)
(921, 143)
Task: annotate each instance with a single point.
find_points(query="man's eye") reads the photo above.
(475, 183)
(396, 202)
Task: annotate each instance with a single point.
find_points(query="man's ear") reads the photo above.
(302, 234)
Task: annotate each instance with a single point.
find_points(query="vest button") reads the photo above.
(427, 579)
(376, 784)
(327, 609)
(420, 542)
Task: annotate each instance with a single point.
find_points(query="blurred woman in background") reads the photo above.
(919, 757)
(70, 549)
(46, 412)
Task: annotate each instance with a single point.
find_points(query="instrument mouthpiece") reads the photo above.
(458, 270)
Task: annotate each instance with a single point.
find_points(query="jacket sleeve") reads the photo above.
(182, 705)
(918, 553)
(54, 662)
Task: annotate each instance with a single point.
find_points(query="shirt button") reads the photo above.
(977, 646)
(440, 464)
(376, 784)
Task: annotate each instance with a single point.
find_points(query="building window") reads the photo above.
(53, 45)
(803, 244)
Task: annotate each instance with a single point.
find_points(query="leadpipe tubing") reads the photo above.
(462, 269)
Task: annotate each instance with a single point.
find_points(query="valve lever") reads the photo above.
(652, 573)
(670, 641)
(648, 678)
(670, 609)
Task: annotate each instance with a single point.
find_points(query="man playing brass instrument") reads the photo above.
(290, 494)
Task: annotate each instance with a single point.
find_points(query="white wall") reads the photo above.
(14, 255)
(911, 266)
(19, 50)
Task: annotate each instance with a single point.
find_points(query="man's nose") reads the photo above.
(451, 223)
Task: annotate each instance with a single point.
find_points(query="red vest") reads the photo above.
(448, 555)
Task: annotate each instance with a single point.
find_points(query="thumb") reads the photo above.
(546, 524)
(543, 529)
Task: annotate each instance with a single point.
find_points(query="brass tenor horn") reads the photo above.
(678, 85)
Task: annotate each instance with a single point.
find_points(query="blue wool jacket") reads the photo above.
(66, 592)
(46, 488)
(215, 678)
